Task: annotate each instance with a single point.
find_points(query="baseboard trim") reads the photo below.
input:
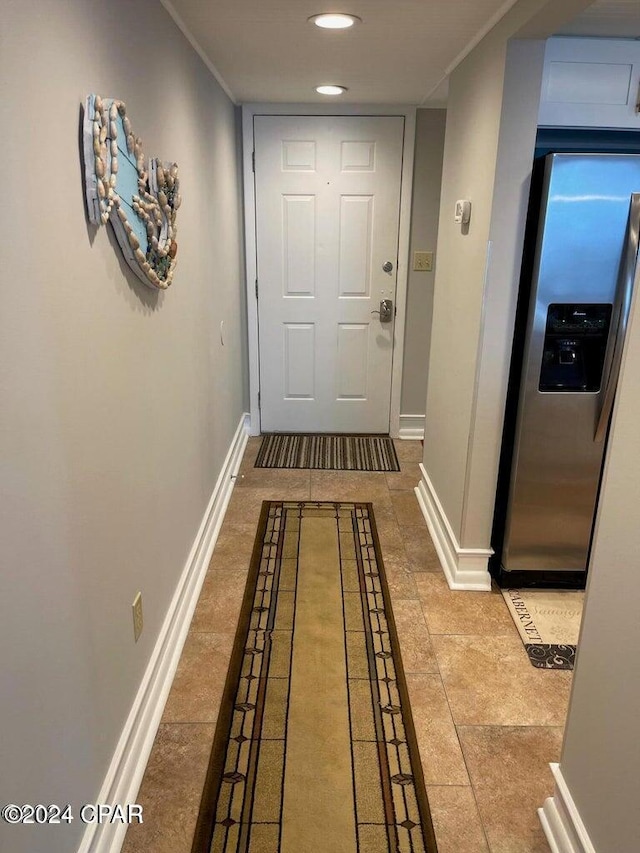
(464, 568)
(411, 427)
(561, 821)
(127, 767)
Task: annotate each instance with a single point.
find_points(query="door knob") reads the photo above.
(387, 266)
(386, 311)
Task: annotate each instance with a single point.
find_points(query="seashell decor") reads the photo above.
(140, 203)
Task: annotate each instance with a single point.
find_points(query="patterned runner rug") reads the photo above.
(329, 452)
(548, 621)
(315, 750)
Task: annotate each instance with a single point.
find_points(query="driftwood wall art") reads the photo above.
(139, 200)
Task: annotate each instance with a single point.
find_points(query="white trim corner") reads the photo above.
(412, 427)
(402, 278)
(561, 821)
(464, 568)
(123, 778)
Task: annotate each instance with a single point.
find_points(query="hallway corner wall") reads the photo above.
(601, 753)
(471, 142)
(119, 403)
(490, 134)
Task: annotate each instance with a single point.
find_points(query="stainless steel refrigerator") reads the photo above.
(582, 276)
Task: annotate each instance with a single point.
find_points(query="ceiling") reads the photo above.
(609, 18)
(401, 53)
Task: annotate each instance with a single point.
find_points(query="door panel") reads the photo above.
(351, 366)
(298, 244)
(327, 214)
(299, 363)
(356, 223)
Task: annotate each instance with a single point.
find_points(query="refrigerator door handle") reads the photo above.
(629, 271)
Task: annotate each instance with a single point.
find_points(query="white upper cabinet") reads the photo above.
(589, 82)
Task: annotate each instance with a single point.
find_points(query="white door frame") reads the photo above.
(406, 188)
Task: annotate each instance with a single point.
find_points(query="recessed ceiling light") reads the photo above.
(331, 90)
(334, 20)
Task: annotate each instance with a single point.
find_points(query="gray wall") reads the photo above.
(523, 65)
(425, 206)
(118, 403)
(473, 121)
(490, 135)
(601, 754)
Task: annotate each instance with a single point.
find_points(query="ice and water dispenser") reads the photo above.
(575, 344)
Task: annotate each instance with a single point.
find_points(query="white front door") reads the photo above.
(327, 215)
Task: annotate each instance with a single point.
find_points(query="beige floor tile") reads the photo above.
(440, 752)
(349, 486)
(171, 789)
(382, 507)
(218, 607)
(251, 452)
(420, 548)
(389, 533)
(409, 451)
(406, 479)
(280, 480)
(407, 509)
(199, 680)
(510, 775)
(232, 563)
(411, 465)
(489, 681)
(417, 653)
(254, 443)
(453, 611)
(400, 580)
(233, 550)
(456, 820)
(234, 529)
(245, 504)
(235, 536)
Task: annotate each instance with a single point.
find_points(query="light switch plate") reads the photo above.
(423, 261)
(462, 213)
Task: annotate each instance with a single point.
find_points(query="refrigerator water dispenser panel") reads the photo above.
(574, 348)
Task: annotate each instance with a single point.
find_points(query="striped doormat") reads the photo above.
(328, 452)
(315, 749)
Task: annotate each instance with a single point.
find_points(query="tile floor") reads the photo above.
(488, 723)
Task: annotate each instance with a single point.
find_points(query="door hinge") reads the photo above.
(256, 288)
(253, 161)
(259, 400)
